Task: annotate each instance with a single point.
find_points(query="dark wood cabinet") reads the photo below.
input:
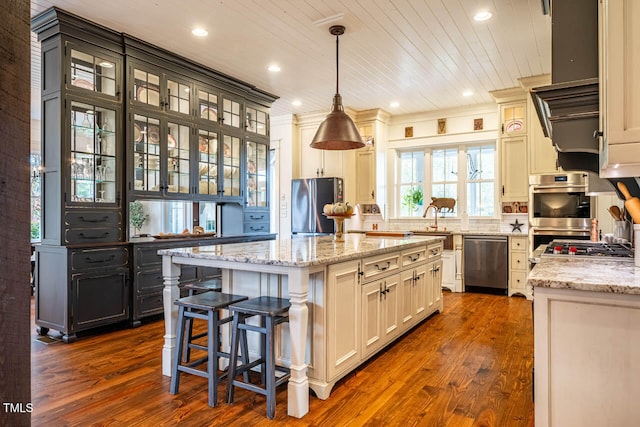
(123, 120)
(81, 288)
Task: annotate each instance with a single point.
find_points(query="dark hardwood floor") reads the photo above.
(469, 366)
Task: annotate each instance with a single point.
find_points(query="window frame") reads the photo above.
(462, 182)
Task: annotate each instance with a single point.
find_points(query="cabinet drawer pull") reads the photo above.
(414, 259)
(435, 251)
(105, 234)
(252, 228)
(90, 260)
(104, 219)
(256, 218)
(383, 268)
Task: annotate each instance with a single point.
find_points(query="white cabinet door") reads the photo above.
(372, 313)
(343, 317)
(448, 270)
(407, 316)
(421, 296)
(391, 307)
(435, 286)
(380, 313)
(619, 39)
(513, 164)
(366, 175)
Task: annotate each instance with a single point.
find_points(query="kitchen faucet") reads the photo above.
(424, 215)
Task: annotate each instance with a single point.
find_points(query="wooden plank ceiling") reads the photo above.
(422, 54)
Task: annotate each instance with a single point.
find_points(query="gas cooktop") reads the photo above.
(583, 248)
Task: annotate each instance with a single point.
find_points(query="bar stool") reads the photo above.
(204, 306)
(272, 311)
(215, 285)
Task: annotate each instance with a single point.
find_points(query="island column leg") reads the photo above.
(170, 293)
(298, 387)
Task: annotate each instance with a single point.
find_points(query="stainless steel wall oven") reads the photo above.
(559, 208)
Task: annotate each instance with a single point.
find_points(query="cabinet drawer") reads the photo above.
(92, 235)
(413, 256)
(88, 259)
(380, 265)
(147, 256)
(256, 216)
(256, 227)
(152, 281)
(518, 279)
(434, 250)
(518, 243)
(91, 219)
(518, 261)
(148, 305)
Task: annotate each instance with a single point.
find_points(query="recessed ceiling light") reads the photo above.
(274, 68)
(467, 92)
(199, 32)
(394, 104)
(482, 15)
(296, 102)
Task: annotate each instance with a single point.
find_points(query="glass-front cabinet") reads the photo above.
(159, 90)
(92, 70)
(93, 160)
(161, 156)
(256, 174)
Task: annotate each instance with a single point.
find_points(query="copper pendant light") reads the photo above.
(337, 131)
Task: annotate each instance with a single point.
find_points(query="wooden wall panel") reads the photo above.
(15, 384)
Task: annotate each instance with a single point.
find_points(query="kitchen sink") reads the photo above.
(448, 241)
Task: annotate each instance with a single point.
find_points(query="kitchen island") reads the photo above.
(587, 341)
(348, 299)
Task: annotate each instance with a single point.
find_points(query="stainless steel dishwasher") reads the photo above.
(485, 263)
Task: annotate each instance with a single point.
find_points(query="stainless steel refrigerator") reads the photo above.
(308, 197)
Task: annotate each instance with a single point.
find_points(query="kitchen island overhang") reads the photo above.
(291, 268)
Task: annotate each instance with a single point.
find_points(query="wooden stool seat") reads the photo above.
(205, 306)
(272, 311)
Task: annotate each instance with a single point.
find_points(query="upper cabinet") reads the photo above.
(125, 120)
(513, 119)
(82, 140)
(619, 47)
(513, 144)
(187, 133)
(93, 70)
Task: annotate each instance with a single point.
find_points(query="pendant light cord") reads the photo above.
(337, 59)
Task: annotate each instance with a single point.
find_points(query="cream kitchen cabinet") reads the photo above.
(513, 167)
(380, 313)
(433, 291)
(586, 350)
(365, 175)
(316, 163)
(343, 318)
(448, 270)
(619, 47)
(414, 291)
(518, 266)
(513, 119)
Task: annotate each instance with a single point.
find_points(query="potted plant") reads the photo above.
(413, 199)
(137, 217)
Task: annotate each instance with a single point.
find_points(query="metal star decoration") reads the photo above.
(516, 226)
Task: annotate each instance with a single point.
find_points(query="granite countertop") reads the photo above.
(619, 277)
(302, 252)
(463, 233)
